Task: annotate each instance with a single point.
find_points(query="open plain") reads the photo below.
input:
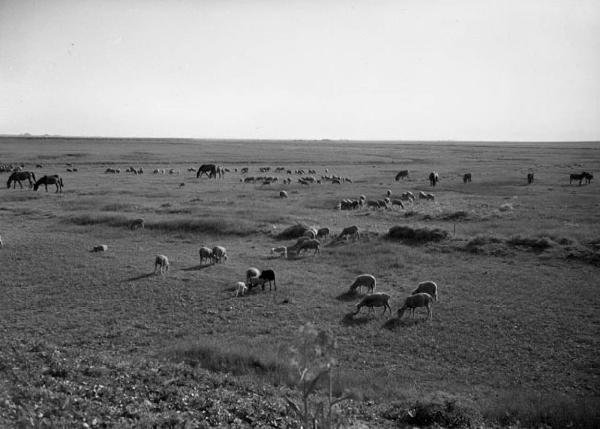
(97, 338)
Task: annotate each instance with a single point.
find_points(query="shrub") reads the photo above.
(444, 411)
(535, 243)
(417, 235)
(294, 231)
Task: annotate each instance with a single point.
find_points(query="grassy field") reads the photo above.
(514, 336)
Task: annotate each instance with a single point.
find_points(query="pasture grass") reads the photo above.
(112, 322)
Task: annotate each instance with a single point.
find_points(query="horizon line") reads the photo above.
(241, 139)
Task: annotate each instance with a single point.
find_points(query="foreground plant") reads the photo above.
(313, 358)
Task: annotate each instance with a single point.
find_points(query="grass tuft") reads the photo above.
(535, 243)
(416, 235)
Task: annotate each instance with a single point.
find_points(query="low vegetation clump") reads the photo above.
(534, 243)
(417, 235)
(294, 231)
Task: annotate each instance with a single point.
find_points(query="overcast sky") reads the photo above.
(339, 69)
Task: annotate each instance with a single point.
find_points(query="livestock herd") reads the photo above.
(422, 297)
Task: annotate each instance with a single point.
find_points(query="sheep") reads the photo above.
(407, 196)
(1, 243)
(426, 196)
(396, 202)
(267, 276)
(161, 262)
(323, 233)
(389, 193)
(240, 289)
(219, 253)
(206, 253)
(137, 223)
(310, 244)
(351, 231)
(250, 274)
(100, 248)
(415, 301)
(156, 171)
(283, 194)
(378, 299)
(427, 287)
(364, 280)
(281, 250)
(310, 233)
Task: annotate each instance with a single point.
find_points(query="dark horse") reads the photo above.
(579, 177)
(18, 176)
(433, 178)
(401, 174)
(529, 178)
(467, 177)
(49, 180)
(209, 169)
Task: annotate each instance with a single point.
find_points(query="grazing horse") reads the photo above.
(18, 176)
(588, 177)
(467, 177)
(49, 180)
(209, 169)
(576, 177)
(401, 174)
(529, 178)
(433, 178)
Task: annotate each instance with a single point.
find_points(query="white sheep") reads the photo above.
(283, 194)
(350, 231)
(310, 233)
(364, 280)
(219, 253)
(100, 248)
(205, 253)
(310, 244)
(281, 250)
(427, 287)
(252, 273)
(415, 301)
(378, 299)
(240, 289)
(161, 262)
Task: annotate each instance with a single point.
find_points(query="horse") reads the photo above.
(576, 177)
(49, 180)
(433, 178)
(209, 169)
(467, 177)
(529, 178)
(588, 177)
(401, 175)
(18, 176)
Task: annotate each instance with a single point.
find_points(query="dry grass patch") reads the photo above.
(412, 235)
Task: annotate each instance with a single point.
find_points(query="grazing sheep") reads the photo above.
(161, 262)
(311, 243)
(240, 289)
(427, 287)
(378, 299)
(267, 276)
(396, 202)
(426, 196)
(364, 280)
(350, 231)
(529, 178)
(206, 253)
(389, 193)
(407, 196)
(219, 253)
(281, 250)
(415, 301)
(137, 223)
(323, 233)
(283, 194)
(100, 248)
(310, 233)
(251, 273)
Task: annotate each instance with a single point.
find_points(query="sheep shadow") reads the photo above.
(140, 277)
(350, 320)
(395, 323)
(197, 267)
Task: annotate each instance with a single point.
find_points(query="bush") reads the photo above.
(417, 235)
(535, 243)
(444, 411)
(294, 231)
